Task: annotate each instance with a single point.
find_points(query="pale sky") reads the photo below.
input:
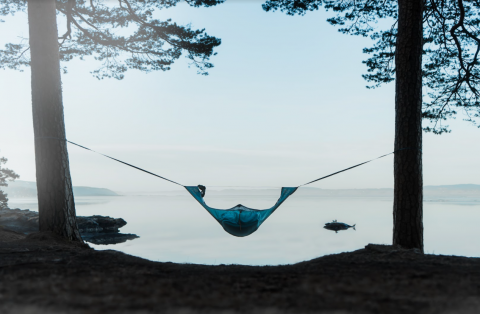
(285, 104)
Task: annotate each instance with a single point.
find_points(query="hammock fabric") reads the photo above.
(239, 221)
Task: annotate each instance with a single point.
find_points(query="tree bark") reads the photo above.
(55, 195)
(408, 193)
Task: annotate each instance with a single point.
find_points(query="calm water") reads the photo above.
(178, 229)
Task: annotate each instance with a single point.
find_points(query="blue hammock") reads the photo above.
(240, 221)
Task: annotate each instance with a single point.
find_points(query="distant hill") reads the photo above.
(470, 187)
(22, 189)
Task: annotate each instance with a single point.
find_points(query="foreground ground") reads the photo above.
(43, 274)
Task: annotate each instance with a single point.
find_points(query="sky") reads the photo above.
(284, 104)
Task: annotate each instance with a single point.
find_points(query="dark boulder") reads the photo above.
(96, 224)
(18, 220)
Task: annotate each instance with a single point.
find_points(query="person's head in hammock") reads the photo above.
(202, 189)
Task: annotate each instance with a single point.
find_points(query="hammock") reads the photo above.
(240, 220)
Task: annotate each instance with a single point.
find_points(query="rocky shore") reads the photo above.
(94, 229)
(44, 274)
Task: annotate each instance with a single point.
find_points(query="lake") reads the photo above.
(175, 228)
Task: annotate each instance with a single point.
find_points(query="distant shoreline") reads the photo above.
(28, 189)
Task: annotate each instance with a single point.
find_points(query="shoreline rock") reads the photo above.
(97, 224)
(94, 229)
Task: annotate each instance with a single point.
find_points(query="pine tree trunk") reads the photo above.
(55, 195)
(408, 193)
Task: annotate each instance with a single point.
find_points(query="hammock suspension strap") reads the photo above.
(240, 220)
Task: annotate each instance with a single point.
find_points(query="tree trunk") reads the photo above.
(408, 193)
(55, 195)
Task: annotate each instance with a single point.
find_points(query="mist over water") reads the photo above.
(175, 228)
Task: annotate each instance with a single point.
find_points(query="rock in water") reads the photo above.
(95, 229)
(337, 226)
(96, 224)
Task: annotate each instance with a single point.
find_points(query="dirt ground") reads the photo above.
(43, 274)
